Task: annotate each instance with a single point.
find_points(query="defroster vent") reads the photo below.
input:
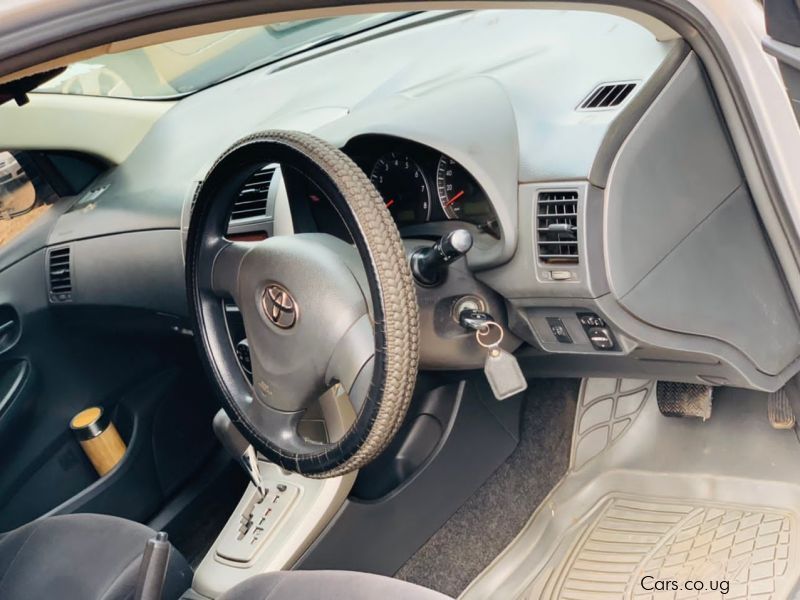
(608, 95)
(557, 227)
(59, 274)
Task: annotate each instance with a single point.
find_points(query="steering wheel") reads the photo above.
(317, 311)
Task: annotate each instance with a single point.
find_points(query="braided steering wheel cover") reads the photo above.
(392, 290)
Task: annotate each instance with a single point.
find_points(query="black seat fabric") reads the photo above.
(80, 557)
(328, 585)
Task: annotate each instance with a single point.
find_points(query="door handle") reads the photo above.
(12, 379)
(6, 327)
(9, 328)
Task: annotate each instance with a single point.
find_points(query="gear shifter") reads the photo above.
(429, 264)
(240, 448)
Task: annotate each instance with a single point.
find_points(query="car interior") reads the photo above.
(423, 304)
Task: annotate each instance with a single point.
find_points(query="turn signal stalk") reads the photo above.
(429, 265)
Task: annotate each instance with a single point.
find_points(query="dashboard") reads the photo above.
(583, 218)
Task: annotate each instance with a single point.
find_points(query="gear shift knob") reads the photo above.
(235, 443)
(428, 264)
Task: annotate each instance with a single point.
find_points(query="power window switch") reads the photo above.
(559, 330)
(601, 338)
(590, 320)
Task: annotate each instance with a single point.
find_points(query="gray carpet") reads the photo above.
(491, 518)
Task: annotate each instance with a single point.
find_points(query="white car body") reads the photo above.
(11, 174)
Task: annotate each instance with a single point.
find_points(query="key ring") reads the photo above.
(485, 330)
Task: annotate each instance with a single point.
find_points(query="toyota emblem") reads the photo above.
(279, 306)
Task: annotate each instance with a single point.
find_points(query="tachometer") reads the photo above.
(404, 188)
(460, 195)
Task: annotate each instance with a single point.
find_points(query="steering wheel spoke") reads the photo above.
(282, 427)
(225, 268)
(353, 353)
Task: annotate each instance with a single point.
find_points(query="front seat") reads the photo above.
(97, 557)
(81, 557)
(328, 585)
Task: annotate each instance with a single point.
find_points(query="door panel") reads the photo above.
(57, 360)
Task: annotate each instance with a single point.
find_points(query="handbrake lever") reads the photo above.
(153, 568)
(244, 453)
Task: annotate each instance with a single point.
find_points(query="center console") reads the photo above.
(270, 533)
(280, 513)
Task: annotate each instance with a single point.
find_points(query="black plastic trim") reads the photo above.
(783, 20)
(409, 514)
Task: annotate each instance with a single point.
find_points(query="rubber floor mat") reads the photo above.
(654, 508)
(634, 546)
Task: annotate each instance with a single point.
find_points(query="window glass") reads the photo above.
(182, 67)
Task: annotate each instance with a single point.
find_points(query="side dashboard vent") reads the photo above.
(608, 95)
(252, 200)
(557, 227)
(59, 274)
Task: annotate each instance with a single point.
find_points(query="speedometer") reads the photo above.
(404, 188)
(460, 195)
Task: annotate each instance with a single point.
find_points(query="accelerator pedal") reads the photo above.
(684, 399)
(779, 409)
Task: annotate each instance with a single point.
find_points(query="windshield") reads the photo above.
(186, 66)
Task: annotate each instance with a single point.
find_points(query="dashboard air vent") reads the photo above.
(557, 227)
(59, 274)
(607, 95)
(252, 200)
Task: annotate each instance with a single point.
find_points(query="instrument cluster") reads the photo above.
(420, 185)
